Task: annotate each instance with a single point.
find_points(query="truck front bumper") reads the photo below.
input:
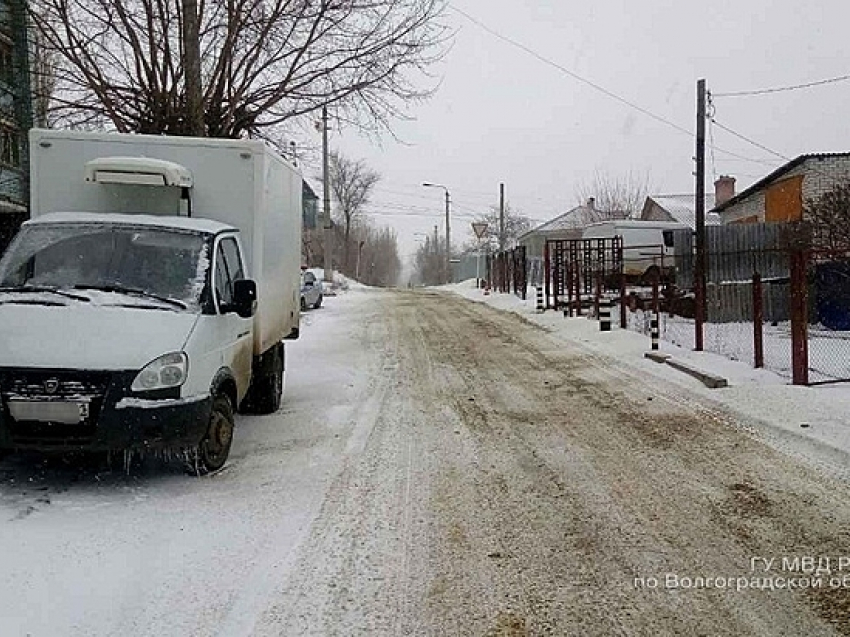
(111, 419)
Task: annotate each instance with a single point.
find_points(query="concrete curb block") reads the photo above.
(709, 380)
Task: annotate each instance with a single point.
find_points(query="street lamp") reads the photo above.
(448, 230)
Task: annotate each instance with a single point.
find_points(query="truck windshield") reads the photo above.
(159, 263)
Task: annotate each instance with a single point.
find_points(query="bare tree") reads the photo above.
(351, 184)
(829, 217)
(429, 261)
(264, 63)
(616, 193)
(516, 224)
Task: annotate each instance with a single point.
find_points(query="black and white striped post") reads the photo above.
(604, 315)
(540, 307)
(653, 328)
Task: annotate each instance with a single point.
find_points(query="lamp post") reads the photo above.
(448, 231)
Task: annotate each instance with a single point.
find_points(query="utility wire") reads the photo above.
(748, 140)
(814, 169)
(573, 75)
(590, 83)
(782, 89)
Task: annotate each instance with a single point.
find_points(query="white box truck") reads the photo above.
(646, 253)
(149, 295)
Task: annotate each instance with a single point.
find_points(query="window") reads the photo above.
(10, 154)
(231, 256)
(228, 268)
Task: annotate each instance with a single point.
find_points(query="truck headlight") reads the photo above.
(166, 371)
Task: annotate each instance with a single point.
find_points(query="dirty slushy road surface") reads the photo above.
(438, 468)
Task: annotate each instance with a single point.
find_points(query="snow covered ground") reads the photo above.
(810, 421)
(89, 551)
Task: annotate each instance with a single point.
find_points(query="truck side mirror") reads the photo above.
(668, 238)
(244, 297)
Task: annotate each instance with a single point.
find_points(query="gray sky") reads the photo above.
(503, 115)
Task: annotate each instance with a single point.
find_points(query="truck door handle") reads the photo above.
(245, 333)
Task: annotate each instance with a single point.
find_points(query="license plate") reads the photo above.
(66, 412)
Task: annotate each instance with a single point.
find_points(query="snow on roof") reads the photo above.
(578, 217)
(162, 221)
(683, 208)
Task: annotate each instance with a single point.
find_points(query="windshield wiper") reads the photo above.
(120, 289)
(45, 288)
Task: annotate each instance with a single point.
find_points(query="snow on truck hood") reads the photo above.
(82, 336)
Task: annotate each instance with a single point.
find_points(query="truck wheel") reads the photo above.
(268, 389)
(318, 302)
(303, 305)
(215, 447)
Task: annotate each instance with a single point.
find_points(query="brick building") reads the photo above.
(783, 194)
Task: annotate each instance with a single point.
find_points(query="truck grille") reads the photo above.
(49, 385)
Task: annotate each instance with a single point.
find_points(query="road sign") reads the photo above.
(479, 229)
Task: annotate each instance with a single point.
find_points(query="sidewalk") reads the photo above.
(813, 422)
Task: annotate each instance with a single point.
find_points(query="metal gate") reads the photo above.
(576, 269)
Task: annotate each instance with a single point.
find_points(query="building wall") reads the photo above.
(13, 108)
(818, 177)
(535, 241)
(656, 213)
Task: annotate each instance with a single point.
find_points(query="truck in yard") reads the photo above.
(647, 253)
(149, 295)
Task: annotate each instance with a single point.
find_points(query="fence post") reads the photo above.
(546, 271)
(758, 322)
(655, 312)
(799, 320)
(622, 299)
(598, 296)
(577, 279)
(605, 315)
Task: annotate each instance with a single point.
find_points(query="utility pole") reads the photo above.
(438, 267)
(326, 187)
(700, 262)
(501, 217)
(192, 66)
(448, 241)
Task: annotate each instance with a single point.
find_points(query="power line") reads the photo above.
(592, 84)
(572, 74)
(814, 169)
(748, 140)
(795, 87)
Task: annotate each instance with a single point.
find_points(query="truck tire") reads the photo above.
(215, 447)
(318, 303)
(267, 389)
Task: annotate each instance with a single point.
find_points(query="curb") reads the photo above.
(711, 381)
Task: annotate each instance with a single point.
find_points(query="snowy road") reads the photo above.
(438, 468)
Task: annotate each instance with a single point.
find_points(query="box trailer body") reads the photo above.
(645, 250)
(175, 261)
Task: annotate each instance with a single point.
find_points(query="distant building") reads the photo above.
(682, 208)
(566, 226)
(15, 117)
(783, 194)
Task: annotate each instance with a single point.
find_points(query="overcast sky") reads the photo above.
(503, 115)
